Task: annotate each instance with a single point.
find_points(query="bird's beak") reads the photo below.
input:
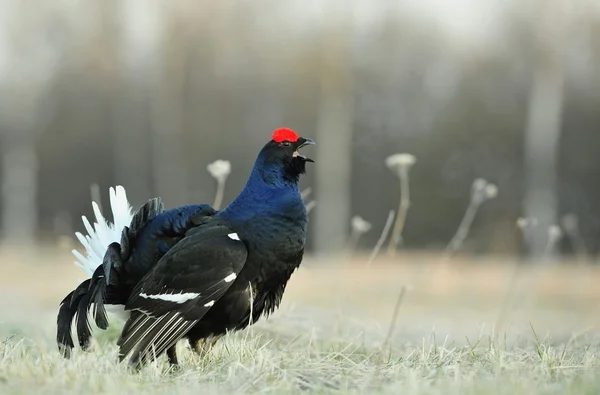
(302, 142)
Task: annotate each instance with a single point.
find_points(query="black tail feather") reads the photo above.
(142, 216)
(103, 288)
(147, 212)
(112, 263)
(71, 308)
(76, 306)
(63, 323)
(98, 297)
(78, 293)
(97, 292)
(84, 330)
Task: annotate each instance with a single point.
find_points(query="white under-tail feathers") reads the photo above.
(103, 233)
(100, 236)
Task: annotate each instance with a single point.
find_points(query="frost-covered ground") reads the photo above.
(468, 330)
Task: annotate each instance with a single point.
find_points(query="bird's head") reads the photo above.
(282, 154)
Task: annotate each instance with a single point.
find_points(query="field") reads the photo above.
(467, 328)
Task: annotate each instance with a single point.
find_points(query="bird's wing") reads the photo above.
(142, 246)
(117, 252)
(179, 290)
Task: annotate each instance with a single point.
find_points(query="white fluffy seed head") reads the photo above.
(360, 225)
(554, 232)
(491, 191)
(219, 169)
(570, 222)
(479, 185)
(526, 222)
(400, 161)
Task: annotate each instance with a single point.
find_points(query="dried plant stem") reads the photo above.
(509, 297)
(464, 227)
(528, 296)
(353, 240)
(219, 194)
(305, 193)
(388, 338)
(581, 250)
(524, 296)
(549, 249)
(384, 233)
(571, 228)
(395, 314)
(513, 291)
(403, 207)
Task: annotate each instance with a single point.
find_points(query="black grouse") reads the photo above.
(193, 272)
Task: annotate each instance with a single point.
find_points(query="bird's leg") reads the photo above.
(203, 345)
(172, 356)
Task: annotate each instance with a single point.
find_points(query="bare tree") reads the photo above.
(167, 109)
(139, 42)
(334, 132)
(544, 121)
(28, 64)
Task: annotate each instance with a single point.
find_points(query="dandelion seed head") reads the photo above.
(479, 185)
(219, 169)
(360, 225)
(526, 222)
(570, 222)
(554, 232)
(491, 191)
(399, 161)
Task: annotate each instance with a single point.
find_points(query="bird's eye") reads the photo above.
(286, 143)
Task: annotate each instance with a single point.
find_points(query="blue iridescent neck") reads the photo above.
(269, 188)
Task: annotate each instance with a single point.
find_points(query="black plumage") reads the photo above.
(196, 273)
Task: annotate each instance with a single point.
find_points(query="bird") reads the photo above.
(192, 271)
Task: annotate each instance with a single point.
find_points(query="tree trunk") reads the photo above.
(334, 136)
(167, 114)
(544, 125)
(27, 68)
(19, 186)
(138, 47)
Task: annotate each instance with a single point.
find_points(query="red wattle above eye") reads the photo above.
(284, 134)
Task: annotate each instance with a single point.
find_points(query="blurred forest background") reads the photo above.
(147, 93)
